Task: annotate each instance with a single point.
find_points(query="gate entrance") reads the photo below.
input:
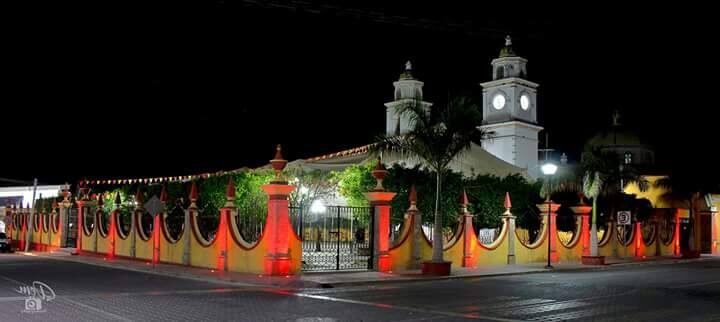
(705, 233)
(70, 226)
(334, 237)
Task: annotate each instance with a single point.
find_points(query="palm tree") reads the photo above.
(592, 183)
(604, 174)
(435, 140)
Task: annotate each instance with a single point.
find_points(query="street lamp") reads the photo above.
(548, 169)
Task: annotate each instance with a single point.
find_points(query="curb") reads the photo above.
(419, 278)
(530, 271)
(161, 273)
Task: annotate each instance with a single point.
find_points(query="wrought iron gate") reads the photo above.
(70, 226)
(334, 237)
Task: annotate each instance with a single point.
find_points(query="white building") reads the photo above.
(509, 110)
(17, 196)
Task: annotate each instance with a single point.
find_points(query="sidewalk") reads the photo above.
(337, 279)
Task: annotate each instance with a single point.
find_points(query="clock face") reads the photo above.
(498, 101)
(524, 102)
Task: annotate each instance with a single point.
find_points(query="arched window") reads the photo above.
(499, 72)
(628, 157)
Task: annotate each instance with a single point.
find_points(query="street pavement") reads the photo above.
(688, 291)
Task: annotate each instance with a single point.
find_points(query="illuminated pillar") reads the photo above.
(380, 201)
(676, 235)
(156, 239)
(278, 229)
(549, 211)
(80, 228)
(277, 225)
(29, 209)
(222, 234)
(23, 228)
(715, 222)
(584, 211)
(112, 234)
(639, 243)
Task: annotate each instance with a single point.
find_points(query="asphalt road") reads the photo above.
(677, 292)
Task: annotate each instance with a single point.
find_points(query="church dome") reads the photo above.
(623, 141)
(616, 136)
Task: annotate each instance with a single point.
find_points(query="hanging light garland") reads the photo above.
(154, 180)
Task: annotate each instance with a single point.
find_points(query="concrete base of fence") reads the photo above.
(436, 269)
(593, 260)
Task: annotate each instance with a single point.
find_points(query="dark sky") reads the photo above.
(180, 89)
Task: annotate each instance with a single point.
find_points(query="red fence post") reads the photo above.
(277, 224)
(380, 200)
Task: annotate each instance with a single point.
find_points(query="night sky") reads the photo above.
(203, 87)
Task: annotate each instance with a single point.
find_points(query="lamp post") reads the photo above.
(548, 169)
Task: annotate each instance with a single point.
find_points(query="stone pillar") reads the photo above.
(509, 220)
(549, 211)
(81, 202)
(96, 226)
(380, 200)
(112, 234)
(80, 228)
(9, 222)
(583, 211)
(51, 225)
(277, 225)
(223, 228)
(156, 239)
(64, 210)
(186, 237)
(468, 259)
(40, 215)
(676, 235)
(134, 230)
(416, 231)
(638, 242)
(30, 212)
(715, 221)
(23, 227)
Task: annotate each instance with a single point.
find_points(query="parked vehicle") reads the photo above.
(5, 245)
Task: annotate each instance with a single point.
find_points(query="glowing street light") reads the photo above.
(548, 169)
(317, 207)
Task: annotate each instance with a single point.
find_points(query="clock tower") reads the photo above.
(510, 112)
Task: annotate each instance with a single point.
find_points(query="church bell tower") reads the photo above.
(510, 112)
(408, 90)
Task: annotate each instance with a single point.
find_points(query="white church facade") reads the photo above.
(509, 111)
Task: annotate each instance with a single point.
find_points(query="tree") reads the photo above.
(592, 183)
(687, 187)
(437, 138)
(310, 185)
(604, 174)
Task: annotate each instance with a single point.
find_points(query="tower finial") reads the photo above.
(407, 73)
(616, 118)
(507, 51)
